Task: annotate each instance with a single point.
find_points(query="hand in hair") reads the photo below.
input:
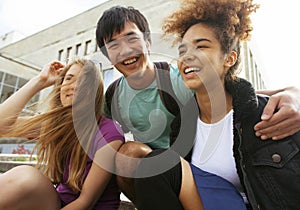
(50, 73)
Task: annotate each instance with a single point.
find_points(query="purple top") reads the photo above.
(108, 131)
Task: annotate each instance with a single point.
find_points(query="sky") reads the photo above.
(31, 16)
(275, 40)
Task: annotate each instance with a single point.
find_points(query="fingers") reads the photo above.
(270, 108)
(56, 65)
(50, 73)
(283, 123)
(51, 69)
(279, 130)
(287, 133)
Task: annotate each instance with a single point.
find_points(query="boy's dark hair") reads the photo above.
(113, 21)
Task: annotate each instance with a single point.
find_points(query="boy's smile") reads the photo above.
(127, 50)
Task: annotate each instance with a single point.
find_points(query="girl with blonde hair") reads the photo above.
(75, 144)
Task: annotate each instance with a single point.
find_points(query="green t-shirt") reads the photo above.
(144, 113)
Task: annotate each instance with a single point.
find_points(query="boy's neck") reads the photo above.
(142, 79)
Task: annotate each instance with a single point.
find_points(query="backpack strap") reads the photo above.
(165, 89)
(111, 100)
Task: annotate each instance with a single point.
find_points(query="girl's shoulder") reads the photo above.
(109, 127)
(106, 122)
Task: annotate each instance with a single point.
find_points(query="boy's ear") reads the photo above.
(231, 59)
(148, 45)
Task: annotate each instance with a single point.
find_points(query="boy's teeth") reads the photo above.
(130, 61)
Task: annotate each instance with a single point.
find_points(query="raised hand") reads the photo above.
(50, 73)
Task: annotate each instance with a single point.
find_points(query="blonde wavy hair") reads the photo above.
(66, 132)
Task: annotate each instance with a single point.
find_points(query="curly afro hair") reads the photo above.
(229, 19)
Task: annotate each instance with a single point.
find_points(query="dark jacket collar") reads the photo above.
(244, 99)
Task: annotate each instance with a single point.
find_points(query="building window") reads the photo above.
(10, 84)
(7, 91)
(60, 55)
(21, 82)
(78, 49)
(88, 45)
(69, 49)
(10, 79)
(96, 47)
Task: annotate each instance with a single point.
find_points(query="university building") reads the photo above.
(75, 37)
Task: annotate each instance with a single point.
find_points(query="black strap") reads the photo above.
(111, 100)
(165, 88)
(109, 94)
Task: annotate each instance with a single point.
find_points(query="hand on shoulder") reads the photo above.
(281, 116)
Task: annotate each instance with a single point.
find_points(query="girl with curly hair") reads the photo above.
(232, 167)
(75, 144)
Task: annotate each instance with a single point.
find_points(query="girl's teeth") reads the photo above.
(189, 70)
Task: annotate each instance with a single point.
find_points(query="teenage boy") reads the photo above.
(123, 36)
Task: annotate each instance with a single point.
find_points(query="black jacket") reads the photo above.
(268, 170)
